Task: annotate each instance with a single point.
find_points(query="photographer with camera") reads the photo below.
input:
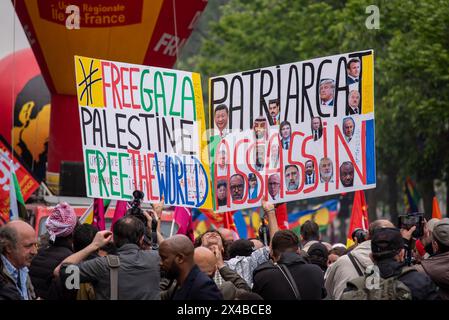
(132, 274)
(436, 266)
(391, 279)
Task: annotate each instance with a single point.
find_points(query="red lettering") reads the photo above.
(326, 184)
(124, 87)
(315, 164)
(339, 137)
(133, 88)
(150, 177)
(105, 84)
(228, 171)
(115, 81)
(258, 175)
(298, 163)
(279, 170)
(238, 171)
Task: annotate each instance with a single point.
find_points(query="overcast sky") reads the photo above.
(7, 16)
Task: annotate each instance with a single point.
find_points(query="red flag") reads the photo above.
(436, 212)
(281, 216)
(359, 216)
(99, 212)
(120, 210)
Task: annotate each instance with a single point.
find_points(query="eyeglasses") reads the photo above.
(237, 186)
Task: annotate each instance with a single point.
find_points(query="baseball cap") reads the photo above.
(386, 242)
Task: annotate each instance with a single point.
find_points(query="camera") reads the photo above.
(150, 236)
(408, 220)
(135, 209)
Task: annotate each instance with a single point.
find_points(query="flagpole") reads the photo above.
(173, 223)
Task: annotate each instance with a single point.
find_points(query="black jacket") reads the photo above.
(198, 286)
(421, 286)
(43, 264)
(8, 290)
(271, 284)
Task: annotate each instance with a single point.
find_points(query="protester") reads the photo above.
(310, 234)
(352, 265)
(228, 282)
(138, 270)
(83, 235)
(318, 255)
(245, 265)
(396, 281)
(335, 253)
(437, 265)
(60, 225)
(241, 247)
(18, 247)
(178, 263)
(288, 276)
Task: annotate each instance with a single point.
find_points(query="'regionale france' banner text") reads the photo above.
(141, 129)
(293, 131)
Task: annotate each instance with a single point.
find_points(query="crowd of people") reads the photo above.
(79, 262)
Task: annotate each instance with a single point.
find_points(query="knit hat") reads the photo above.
(61, 222)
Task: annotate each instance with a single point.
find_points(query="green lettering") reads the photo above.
(89, 170)
(157, 94)
(112, 173)
(122, 176)
(188, 98)
(175, 79)
(100, 171)
(147, 91)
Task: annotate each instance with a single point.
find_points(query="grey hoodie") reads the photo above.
(342, 270)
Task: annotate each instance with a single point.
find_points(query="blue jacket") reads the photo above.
(198, 286)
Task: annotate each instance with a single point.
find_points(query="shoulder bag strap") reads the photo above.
(114, 264)
(286, 273)
(356, 265)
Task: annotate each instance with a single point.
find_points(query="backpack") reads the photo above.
(388, 289)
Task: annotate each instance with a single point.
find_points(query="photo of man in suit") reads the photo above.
(221, 119)
(286, 131)
(274, 155)
(326, 170)
(317, 128)
(347, 174)
(260, 128)
(348, 128)
(253, 186)
(291, 177)
(222, 193)
(353, 69)
(237, 186)
(353, 102)
(274, 182)
(260, 157)
(310, 172)
(275, 109)
(327, 88)
(221, 167)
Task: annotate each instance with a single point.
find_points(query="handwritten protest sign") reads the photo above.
(141, 129)
(293, 131)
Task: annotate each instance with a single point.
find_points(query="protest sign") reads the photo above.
(141, 129)
(9, 163)
(293, 131)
